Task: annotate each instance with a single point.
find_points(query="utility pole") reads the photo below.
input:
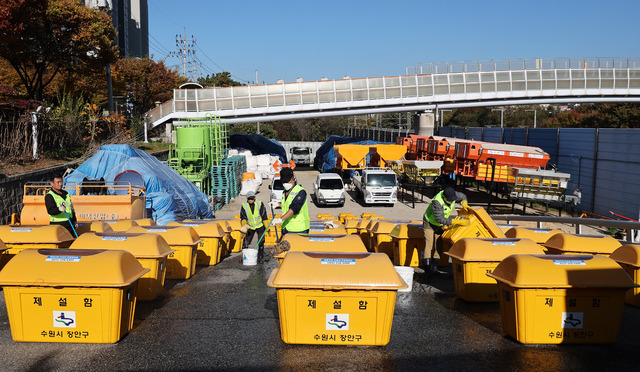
(501, 116)
(535, 114)
(186, 47)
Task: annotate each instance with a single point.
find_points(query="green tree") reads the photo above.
(42, 38)
(221, 79)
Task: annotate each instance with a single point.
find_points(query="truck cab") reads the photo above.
(301, 155)
(376, 186)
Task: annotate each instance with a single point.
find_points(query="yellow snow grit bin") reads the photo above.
(539, 236)
(363, 231)
(564, 243)
(344, 216)
(321, 243)
(151, 250)
(553, 299)
(325, 216)
(336, 298)
(628, 257)
(367, 215)
(79, 296)
(351, 225)
(181, 263)
(481, 225)
(381, 240)
(408, 244)
(236, 236)
(209, 249)
(275, 231)
(473, 258)
(121, 225)
(368, 233)
(226, 228)
(19, 237)
(93, 226)
(316, 228)
(505, 227)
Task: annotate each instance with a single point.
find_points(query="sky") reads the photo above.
(311, 39)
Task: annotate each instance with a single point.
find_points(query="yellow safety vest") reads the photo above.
(60, 217)
(253, 219)
(297, 222)
(448, 208)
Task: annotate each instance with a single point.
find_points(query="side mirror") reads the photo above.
(291, 151)
(269, 187)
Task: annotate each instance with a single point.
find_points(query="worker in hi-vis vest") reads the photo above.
(254, 217)
(435, 221)
(58, 204)
(295, 209)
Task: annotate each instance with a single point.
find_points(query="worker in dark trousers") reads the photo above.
(254, 214)
(435, 221)
(58, 204)
(295, 209)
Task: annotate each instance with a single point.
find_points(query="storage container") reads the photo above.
(480, 225)
(19, 237)
(80, 296)
(93, 226)
(184, 240)
(408, 244)
(628, 257)
(321, 243)
(553, 299)
(564, 243)
(539, 236)
(474, 258)
(121, 225)
(210, 248)
(336, 298)
(151, 250)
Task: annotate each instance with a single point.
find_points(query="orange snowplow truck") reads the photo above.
(108, 201)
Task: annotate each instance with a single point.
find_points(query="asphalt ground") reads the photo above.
(226, 318)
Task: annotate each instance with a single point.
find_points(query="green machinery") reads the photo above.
(200, 144)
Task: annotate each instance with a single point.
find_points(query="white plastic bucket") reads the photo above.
(249, 257)
(406, 273)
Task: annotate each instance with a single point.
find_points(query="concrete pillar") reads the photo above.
(168, 133)
(424, 123)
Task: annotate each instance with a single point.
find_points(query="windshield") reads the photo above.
(301, 151)
(381, 180)
(331, 184)
(277, 185)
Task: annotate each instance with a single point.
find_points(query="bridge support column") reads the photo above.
(424, 123)
(168, 133)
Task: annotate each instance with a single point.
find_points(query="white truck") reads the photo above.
(301, 155)
(376, 186)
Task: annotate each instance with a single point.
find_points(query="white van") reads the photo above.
(276, 190)
(329, 189)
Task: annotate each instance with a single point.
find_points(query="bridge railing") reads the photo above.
(433, 83)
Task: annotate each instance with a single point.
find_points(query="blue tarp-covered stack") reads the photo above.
(170, 196)
(325, 160)
(258, 145)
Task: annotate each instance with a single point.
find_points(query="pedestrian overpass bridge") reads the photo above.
(431, 86)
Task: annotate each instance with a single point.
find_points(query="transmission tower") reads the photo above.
(186, 48)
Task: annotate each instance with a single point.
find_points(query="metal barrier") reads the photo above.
(630, 227)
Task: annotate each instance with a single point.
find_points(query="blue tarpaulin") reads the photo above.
(170, 196)
(258, 145)
(326, 158)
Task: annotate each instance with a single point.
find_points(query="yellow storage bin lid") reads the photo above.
(407, 230)
(324, 243)
(204, 229)
(486, 220)
(224, 224)
(344, 214)
(627, 254)
(3, 247)
(235, 224)
(139, 245)
(174, 235)
(146, 222)
(336, 271)
(352, 223)
(121, 225)
(367, 215)
(385, 227)
(71, 268)
(591, 244)
(95, 226)
(537, 235)
(561, 271)
(24, 234)
(492, 250)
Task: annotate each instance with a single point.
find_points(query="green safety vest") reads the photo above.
(448, 208)
(253, 219)
(60, 217)
(297, 222)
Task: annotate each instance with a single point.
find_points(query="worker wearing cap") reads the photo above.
(295, 209)
(436, 219)
(58, 204)
(254, 214)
